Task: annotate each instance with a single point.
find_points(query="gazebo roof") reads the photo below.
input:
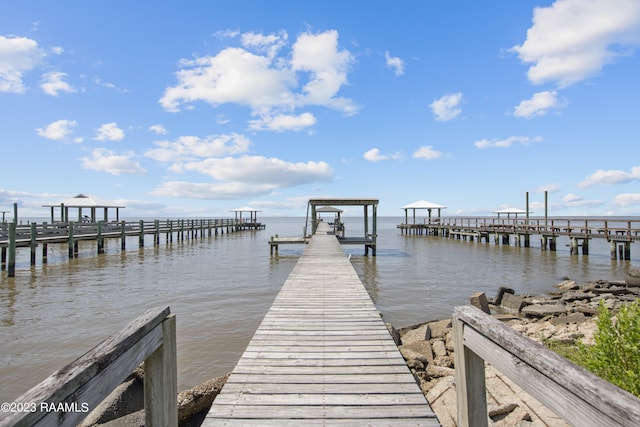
(245, 209)
(511, 211)
(328, 209)
(82, 201)
(423, 204)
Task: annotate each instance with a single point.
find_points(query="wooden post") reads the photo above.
(100, 239)
(34, 243)
(11, 272)
(574, 246)
(44, 253)
(123, 236)
(470, 381)
(627, 250)
(160, 380)
(612, 246)
(71, 239)
(141, 235)
(3, 258)
(585, 246)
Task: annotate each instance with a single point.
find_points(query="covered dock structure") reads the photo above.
(415, 227)
(370, 231)
(91, 204)
(247, 223)
(512, 211)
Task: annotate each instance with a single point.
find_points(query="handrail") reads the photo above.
(592, 227)
(573, 393)
(69, 394)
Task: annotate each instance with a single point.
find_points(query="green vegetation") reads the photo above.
(615, 356)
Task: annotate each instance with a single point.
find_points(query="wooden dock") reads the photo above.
(321, 356)
(619, 234)
(14, 236)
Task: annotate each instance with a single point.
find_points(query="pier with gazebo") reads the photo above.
(507, 227)
(415, 227)
(250, 223)
(93, 223)
(325, 205)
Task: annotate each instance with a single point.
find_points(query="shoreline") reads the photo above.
(564, 315)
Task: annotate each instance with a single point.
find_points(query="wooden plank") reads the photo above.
(321, 354)
(325, 399)
(292, 388)
(325, 412)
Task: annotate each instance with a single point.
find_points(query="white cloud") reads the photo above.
(158, 129)
(318, 54)
(269, 44)
(53, 83)
(394, 62)
(538, 105)
(261, 170)
(259, 76)
(374, 155)
(506, 143)
(57, 130)
(427, 152)
(572, 40)
(211, 191)
(571, 198)
(610, 177)
(109, 132)
(283, 122)
(191, 147)
(104, 160)
(17, 56)
(244, 177)
(447, 107)
(626, 200)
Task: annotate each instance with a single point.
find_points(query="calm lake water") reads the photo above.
(221, 287)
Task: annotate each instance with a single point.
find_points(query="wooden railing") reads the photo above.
(623, 230)
(68, 395)
(574, 394)
(13, 236)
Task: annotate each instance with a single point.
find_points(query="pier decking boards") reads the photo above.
(321, 356)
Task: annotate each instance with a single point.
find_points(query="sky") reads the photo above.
(196, 108)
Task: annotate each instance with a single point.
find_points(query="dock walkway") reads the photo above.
(321, 356)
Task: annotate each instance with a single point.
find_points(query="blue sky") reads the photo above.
(193, 108)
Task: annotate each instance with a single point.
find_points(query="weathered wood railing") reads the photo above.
(68, 395)
(574, 394)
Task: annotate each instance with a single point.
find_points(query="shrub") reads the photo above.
(615, 356)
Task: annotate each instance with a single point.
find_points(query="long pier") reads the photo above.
(321, 356)
(619, 234)
(13, 236)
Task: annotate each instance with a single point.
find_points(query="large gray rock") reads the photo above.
(479, 300)
(542, 310)
(512, 303)
(633, 277)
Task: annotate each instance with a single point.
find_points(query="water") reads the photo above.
(221, 287)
